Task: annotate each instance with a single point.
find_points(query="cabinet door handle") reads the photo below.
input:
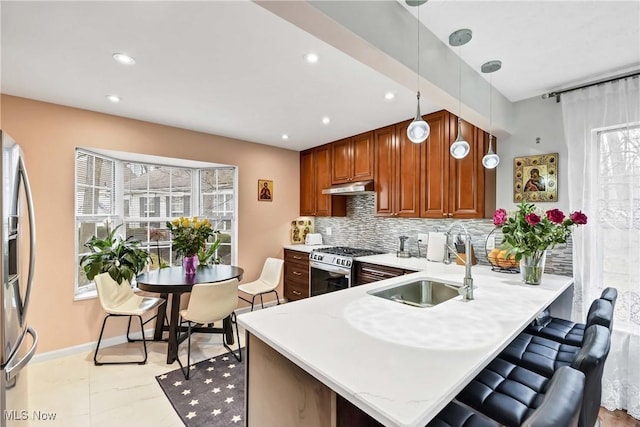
(375, 272)
(293, 291)
(296, 257)
(450, 215)
(444, 214)
(297, 273)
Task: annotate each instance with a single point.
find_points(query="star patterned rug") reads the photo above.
(213, 396)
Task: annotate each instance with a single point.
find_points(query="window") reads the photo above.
(618, 195)
(217, 203)
(143, 197)
(95, 203)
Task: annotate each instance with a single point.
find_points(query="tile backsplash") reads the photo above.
(362, 229)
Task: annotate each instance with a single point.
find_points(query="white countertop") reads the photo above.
(305, 248)
(398, 363)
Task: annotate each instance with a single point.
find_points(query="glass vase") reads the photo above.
(190, 264)
(532, 267)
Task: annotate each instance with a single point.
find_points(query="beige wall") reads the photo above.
(48, 135)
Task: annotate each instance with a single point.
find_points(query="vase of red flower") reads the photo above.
(529, 233)
(532, 267)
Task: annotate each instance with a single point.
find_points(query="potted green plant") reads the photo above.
(123, 259)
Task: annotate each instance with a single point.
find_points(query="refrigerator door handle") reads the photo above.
(32, 232)
(11, 369)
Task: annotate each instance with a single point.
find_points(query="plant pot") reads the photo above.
(190, 264)
(532, 267)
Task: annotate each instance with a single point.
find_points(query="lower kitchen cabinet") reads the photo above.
(296, 275)
(369, 273)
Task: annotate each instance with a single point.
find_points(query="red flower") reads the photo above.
(555, 215)
(578, 218)
(532, 219)
(499, 217)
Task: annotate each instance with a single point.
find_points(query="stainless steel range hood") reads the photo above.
(350, 189)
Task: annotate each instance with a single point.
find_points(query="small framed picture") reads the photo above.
(535, 178)
(265, 190)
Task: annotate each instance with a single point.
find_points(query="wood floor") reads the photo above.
(617, 419)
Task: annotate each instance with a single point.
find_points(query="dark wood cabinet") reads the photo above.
(315, 175)
(352, 159)
(369, 273)
(449, 187)
(411, 180)
(397, 172)
(296, 275)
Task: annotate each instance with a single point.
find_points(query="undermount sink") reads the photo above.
(420, 293)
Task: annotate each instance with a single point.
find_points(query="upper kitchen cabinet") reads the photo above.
(397, 172)
(454, 188)
(315, 175)
(352, 159)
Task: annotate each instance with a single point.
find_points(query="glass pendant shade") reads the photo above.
(491, 159)
(460, 148)
(418, 130)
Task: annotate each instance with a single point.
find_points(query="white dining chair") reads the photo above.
(266, 283)
(210, 303)
(120, 300)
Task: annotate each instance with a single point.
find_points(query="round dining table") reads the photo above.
(174, 282)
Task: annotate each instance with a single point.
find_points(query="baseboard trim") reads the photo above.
(90, 346)
(121, 339)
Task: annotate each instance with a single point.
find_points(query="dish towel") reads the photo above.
(436, 247)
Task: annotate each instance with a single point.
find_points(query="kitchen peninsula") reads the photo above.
(311, 361)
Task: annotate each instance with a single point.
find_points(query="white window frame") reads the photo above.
(120, 158)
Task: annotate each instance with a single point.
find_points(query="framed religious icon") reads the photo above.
(265, 190)
(535, 178)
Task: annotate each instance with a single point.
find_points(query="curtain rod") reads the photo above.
(557, 93)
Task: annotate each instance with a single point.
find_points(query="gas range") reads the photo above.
(341, 256)
(331, 269)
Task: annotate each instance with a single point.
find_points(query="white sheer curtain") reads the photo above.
(602, 129)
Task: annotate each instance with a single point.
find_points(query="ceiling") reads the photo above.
(237, 68)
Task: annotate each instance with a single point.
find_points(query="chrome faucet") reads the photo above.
(467, 289)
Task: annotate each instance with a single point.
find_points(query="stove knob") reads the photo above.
(349, 263)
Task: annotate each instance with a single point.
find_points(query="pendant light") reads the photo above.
(418, 130)
(491, 159)
(460, 148)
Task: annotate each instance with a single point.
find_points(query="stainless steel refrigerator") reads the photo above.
(18, 340)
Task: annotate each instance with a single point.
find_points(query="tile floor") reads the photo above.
(81, 394)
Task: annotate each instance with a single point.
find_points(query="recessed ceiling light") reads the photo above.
(326, 120)
(389, 96)
(113, 98)
(311, 58)
(285, 136)
(123, 58)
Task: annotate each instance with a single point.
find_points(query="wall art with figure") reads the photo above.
(265, 190)
(535, 178)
